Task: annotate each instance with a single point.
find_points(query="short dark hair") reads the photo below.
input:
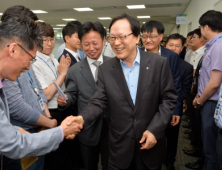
(190, 33)
(46, 29)
(134, 23)
(176, 36)
(21, 29)
(149, 25)
(71, 28)
(198, 32)
(89, 26)
(18, 10)
(213, 19)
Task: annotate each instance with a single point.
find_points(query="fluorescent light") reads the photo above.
(83, 9)
(143, 16)
(144, 22)
(104, 18)
(69, 19)
(39, 11)
(61, 25)
(39, 21)
(1, 13)
(135, 6)
(104, 27)
(57, 28)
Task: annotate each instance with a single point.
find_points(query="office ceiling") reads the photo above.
(164, 11)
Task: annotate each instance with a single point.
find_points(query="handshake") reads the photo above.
(71, 126)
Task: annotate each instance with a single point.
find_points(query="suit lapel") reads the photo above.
(86, 72)
(118, 75)
(143, 77)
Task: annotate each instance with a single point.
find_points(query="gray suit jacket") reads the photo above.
(15, 145)
(80, 87)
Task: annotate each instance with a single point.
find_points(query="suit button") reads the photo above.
(134, 120)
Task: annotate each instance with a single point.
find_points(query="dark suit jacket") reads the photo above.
(174, 63)
(186, 70)
(73, 60)
(80, 87)
(155, 102)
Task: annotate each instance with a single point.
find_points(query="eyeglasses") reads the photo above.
(194, 37)
(151, 37)
(120, 38)
(52, 41)
(33, 58)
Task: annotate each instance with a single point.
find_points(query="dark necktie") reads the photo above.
(97, 64)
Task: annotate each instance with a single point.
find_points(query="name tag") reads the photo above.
(41, 103)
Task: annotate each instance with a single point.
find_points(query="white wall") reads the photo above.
(194, 10)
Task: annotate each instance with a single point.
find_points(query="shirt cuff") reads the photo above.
(62, 133)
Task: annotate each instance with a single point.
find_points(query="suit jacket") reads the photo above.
(80, 87)
(155, 102)
(186, 70)
(73, 60)
(15, 145)
(174, 63)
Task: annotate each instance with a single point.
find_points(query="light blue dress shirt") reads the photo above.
(132, 75)
(218, 110)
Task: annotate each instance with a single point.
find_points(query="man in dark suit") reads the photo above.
(72, 42)
(138, 88)
(175, 43)
(152, 36)
(80, 87)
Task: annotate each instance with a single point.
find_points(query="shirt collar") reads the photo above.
(137, 59)
(45, 57)
(159, 52)
(72, 52)
(211, 42)
(2, 83)
(90, 61)
(200, 49)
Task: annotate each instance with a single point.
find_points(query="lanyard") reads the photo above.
(55, 74)
(32, 83)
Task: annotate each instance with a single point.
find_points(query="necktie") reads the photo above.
(97, 64)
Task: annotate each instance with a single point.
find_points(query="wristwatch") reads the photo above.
(198, 104)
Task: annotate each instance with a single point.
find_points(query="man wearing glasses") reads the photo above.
(152, 35)
(20, 29)
(138, 88)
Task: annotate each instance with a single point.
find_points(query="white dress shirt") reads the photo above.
(45, 69)
(76, 55)
(93, 67)
(195, 56)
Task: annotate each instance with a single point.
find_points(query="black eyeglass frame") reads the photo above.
(33, 58)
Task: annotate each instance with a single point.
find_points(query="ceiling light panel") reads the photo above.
(69, 19)
(143, 16)
(104, 18)
(39, 11)
(83, 9)
(135, 6)
(61, 25)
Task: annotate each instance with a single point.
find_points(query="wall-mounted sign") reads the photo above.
(181, 19)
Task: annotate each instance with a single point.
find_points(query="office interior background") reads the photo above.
(59, 12)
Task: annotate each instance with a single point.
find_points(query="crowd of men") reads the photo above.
(124, 94)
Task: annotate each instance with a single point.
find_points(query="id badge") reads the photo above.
(41, 104)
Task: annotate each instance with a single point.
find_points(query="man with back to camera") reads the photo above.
(138, 118)
(208, 86)
(175, 42)
(15, 59)
(72, 42)
(80, 86)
